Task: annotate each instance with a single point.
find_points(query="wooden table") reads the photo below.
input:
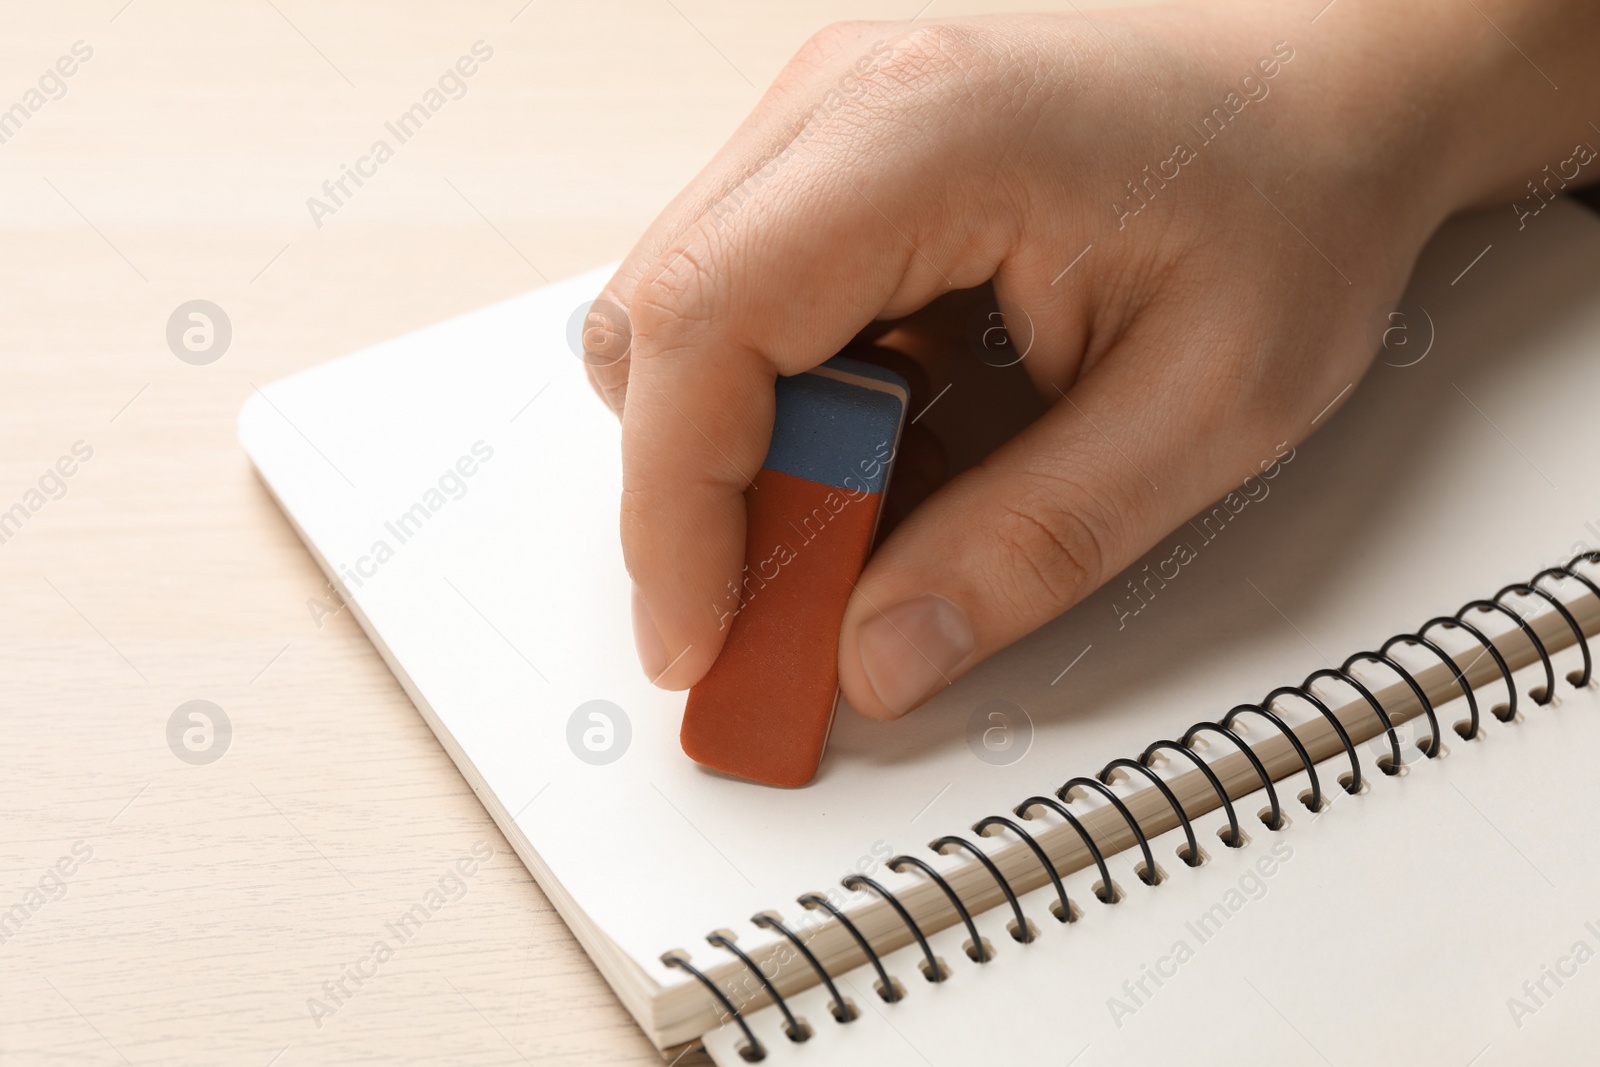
(154, 910)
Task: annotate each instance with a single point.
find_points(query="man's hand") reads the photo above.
(1190, 218)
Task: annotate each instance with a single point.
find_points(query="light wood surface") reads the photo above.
(220, 898)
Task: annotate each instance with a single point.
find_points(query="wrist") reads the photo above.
(1453, 98)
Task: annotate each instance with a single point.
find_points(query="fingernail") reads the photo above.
(911, 650)
(647, 639)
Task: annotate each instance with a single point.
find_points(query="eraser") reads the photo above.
(765, 708)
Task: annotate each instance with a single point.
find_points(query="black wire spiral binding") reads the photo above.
(1530, 590)
(1192, 857)
(753, 1049)
(1149, 875)
(842, 1009)
(1274, 823)
(1343, 675)
(1024, 933)
(1154, 748)
(899, 863)
(888, 990)
(1540, 696)
(1354, 785)
(1421, 638)
(933, 971)
(984, 825)
(1294, 740)
(1416, 690)
(1509, 713)
(791, 1025)
(1107, 892)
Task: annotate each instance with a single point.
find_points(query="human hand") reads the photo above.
(1189, 218)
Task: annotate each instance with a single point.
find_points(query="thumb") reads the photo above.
(1130, 452)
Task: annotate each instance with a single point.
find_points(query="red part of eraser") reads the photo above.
(765, 708)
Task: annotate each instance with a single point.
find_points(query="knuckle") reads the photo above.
(873, 76)
(929, 60)
(821, 47)
(1052, 534)
(919, 76)
(678, 298)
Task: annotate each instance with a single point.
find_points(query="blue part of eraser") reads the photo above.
(832, 430)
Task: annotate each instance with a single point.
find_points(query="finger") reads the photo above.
(732, 175)
(1121, 458)
(715, 323)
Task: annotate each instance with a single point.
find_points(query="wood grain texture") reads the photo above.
(177, 165)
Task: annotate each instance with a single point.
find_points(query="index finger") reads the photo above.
(776, 289)
(734, 174)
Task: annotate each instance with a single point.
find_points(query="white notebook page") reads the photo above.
(1449, 916)
(508, 608)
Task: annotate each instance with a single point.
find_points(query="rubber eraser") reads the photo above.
(765, 708)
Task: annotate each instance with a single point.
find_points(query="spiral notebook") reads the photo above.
(459, 487)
